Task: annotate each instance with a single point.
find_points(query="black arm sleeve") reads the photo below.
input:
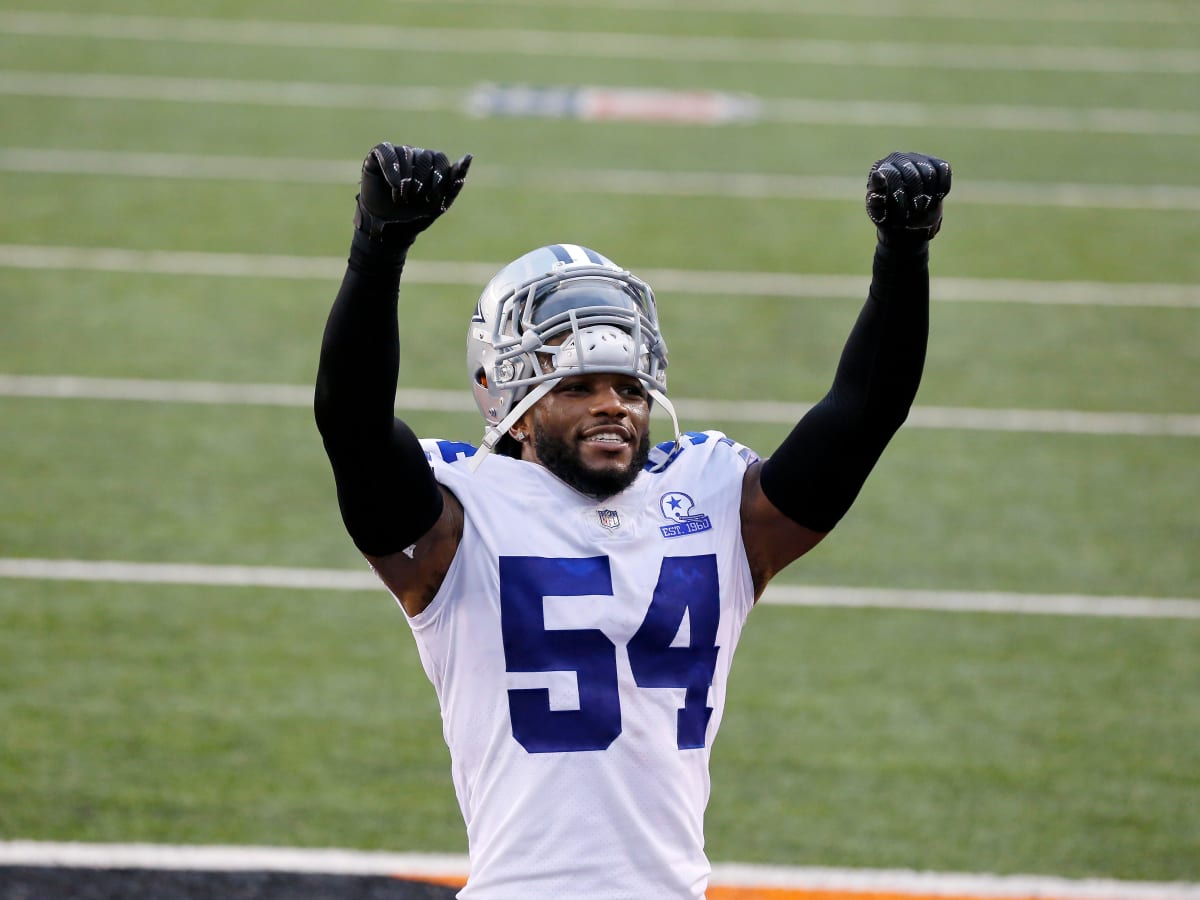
(817, 472)
(386, 490)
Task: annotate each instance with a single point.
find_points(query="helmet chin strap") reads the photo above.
(493, 435)
(661, 398)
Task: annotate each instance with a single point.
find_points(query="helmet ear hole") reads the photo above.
(481, 377)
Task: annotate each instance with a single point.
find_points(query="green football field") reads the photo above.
(177, 184)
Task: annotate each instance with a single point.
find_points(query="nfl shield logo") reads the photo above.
(609, 518)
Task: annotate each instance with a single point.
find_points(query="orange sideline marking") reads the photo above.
(719, 892)
(738, 893)
(444, 880)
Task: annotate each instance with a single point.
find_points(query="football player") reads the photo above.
(576, 593)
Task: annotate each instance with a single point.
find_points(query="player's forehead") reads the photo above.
(599, 379)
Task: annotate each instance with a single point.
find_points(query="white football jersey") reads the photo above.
(580, 651)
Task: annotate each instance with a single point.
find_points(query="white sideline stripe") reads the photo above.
(604, 45)
(431, 99)
(1145, 12)
(74, 387)
(776, 595)
(741, 185)
(434, 865)
(734, 284)
(230, 859)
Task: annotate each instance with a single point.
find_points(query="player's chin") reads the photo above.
(607, 456)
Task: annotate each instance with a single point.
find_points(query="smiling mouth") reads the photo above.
(606, 437)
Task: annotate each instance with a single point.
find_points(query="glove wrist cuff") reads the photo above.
(367, 255)
(392, 232)
(911, 239)
(910, 252)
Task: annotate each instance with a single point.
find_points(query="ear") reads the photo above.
(522, 431)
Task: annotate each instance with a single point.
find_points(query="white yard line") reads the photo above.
(1077, 11)
(985, 601)
(226, 90)
(604, 45)
(807, 111)
(1099, 120)
(190, 574)
(692, 281)
(73, 387)
(442, 865)
(639, 182)
(777, 595)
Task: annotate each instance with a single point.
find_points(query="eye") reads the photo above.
(634, 391)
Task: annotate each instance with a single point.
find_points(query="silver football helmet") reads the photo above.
(556, 311)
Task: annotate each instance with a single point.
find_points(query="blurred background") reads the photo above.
(188, 651)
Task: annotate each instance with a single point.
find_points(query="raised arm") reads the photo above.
(794, 498)
(387, 494)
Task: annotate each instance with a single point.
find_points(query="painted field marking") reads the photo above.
(226, 90)
(76, 387)
(1099, 120)
(604, 45)
(729, 881)
(1078, 11)
(638, 182)
(432, 99)
(693, 281)
(775, 595)
(985, 602)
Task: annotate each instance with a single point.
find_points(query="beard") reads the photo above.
(562, 459)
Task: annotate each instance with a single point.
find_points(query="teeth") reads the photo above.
(608, 438)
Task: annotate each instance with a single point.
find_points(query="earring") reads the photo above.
(520, 436)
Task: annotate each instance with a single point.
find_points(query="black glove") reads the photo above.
(904, 197)
(404, 189)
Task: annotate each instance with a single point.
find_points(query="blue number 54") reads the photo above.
(686, 584)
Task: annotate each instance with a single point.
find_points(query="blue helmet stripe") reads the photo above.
(561, 253)
(593, 256)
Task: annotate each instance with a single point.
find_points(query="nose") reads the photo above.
(607, 401)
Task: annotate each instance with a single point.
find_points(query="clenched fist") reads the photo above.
(404, 189)
(904, 196)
